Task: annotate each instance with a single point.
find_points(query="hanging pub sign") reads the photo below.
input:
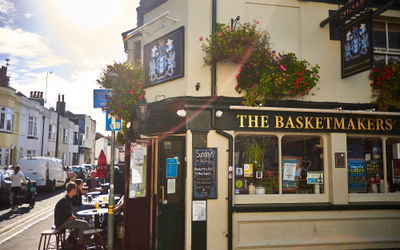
(357, 46)
(204, 173)
(163, 58)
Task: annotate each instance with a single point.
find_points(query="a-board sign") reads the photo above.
(204, 173)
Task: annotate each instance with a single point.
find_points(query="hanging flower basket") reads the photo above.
(266, 76)
(386, 86)
(233, 44)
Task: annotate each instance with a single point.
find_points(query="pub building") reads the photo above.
(315, 171)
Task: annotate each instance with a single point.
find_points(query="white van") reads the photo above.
(47, 172)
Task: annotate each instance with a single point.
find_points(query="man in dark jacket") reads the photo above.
(63, 217)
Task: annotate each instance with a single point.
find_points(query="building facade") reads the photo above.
(327, 168)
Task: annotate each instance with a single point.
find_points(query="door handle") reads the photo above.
(162, 194)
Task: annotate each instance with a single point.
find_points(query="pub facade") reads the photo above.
(319, 171)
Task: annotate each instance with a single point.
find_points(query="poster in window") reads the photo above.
(204, 173)
(163, 58)
(374, 170)
(356, 175)
(356, 45)
(291, 167)
(396, 171)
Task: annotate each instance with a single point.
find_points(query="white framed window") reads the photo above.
(32, 127)
(6, 119)
(30, 153)
(4, 156)
(65, 135)
(386, 42)
(280, 167)
(52, 132)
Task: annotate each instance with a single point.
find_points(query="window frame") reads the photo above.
(6, 119)
(280, 197)
(385, 51)
(32, 126)
(375, 197)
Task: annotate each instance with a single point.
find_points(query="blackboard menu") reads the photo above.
(204, 173)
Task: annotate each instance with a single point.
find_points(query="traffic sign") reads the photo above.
(112, 123)
(99, 97)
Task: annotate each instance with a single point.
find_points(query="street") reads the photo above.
(21, 229)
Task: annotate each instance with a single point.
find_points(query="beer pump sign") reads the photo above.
(356, 46)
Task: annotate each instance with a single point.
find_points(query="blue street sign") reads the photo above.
(99, 97)
(112, 123)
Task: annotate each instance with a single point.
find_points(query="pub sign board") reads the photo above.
(163, 58)
(356, 46)
(266, 120)
(204, 173)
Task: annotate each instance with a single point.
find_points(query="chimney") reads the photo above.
(61, 105)
(4, 79)
(37, 96)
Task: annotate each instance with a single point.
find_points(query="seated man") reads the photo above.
(63, 217)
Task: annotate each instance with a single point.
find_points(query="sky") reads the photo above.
(66, 43)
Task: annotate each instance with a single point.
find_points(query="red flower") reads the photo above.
(141, 97)
(237, 76)
(236, 87)
(298, 73)
(201, 39)
(378, 82)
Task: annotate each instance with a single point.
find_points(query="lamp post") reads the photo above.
(47, 77)
(110, 217)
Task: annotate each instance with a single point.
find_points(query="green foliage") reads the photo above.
(254, 153)
(266, 76)
(386, 86)
(227, 44)
(127, 88)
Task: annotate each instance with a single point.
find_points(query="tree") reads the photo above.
(127, 90)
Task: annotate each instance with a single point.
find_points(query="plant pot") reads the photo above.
(260, 190)
(240, 58)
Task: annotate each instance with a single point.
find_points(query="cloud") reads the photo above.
(29, 15)
(8, 13)
(33, 47)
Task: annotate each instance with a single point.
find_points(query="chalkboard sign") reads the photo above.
(204, 173)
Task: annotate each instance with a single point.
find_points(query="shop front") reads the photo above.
(227, 176)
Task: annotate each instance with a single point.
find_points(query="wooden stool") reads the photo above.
(90, 232)
(47, 238)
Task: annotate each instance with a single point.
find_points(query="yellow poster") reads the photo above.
(248, 170)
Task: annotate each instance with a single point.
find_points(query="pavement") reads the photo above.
(28, 237)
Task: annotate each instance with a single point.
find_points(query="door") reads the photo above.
(171, 194)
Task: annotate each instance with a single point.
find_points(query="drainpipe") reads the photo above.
(44, 119)
(230, 177)
(213, 63)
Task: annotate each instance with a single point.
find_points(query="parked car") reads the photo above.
(47, 172)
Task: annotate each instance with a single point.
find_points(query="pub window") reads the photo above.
(365, 165)
(393, 165)
(302, 165)
(386, 43)
(257, 164)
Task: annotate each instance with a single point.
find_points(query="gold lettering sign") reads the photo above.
(319, 122)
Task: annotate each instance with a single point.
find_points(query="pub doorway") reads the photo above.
(171, 190)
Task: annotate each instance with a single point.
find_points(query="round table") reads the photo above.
(94, 193)
(93, 211)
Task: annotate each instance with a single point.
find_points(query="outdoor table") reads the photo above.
(94, 193)
(99, 199)
(94, 212)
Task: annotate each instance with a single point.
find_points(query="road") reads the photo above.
(21, 229)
